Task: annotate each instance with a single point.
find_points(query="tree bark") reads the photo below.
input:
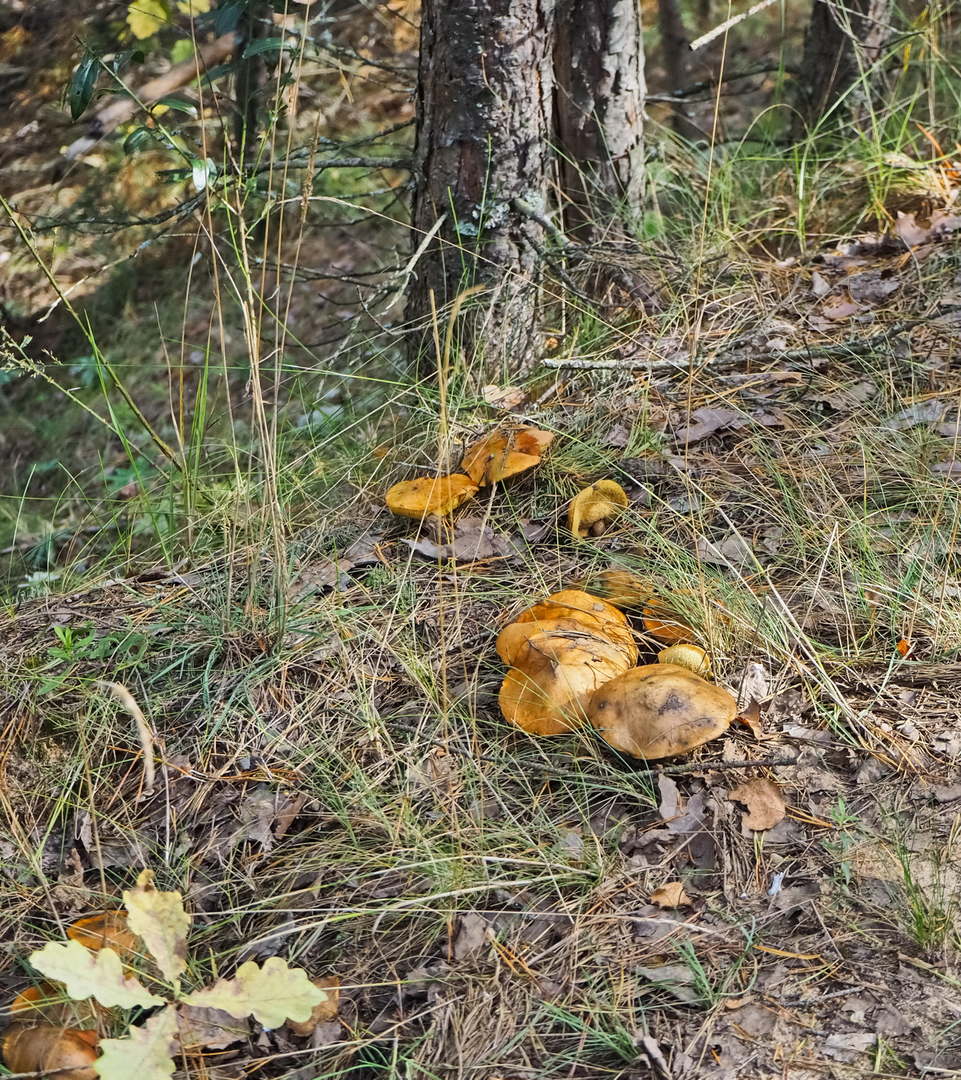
(484, 114)
(845, 38)
(600, 91)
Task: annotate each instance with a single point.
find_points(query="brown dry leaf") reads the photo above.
(159, 918)
(593, 510)
(839, 307)
(671, 895)
(505, 453)
(763, 801)
(107, 930)
(750, 717)
(323, 1013)
(706, 421)
(211, 1029)
(430, 496)
(504, 397)
(473, 540)
(47, 1049)
(472, 937)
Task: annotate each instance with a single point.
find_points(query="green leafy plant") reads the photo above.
(271, 993)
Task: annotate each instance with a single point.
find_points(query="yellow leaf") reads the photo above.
(159, 918)
(324, 1011)
(146, 17)
(193, 7)
(88, 974)
(271, 994)
(146, 1052)
(595, 509)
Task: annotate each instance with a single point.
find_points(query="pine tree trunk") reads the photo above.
(484, 114)
(844, 39)
(600, 91)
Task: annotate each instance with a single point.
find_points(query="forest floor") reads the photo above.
(335, 782)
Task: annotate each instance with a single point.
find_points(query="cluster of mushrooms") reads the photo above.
(498, 456)
(572, 661)
(572, 658)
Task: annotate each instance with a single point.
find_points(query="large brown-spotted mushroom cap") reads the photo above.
(512, 641)
(430, 496)
(555, 672)
(660, 710)
(574, 604)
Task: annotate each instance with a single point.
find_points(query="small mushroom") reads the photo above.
(692, 657)
(595, 509)
(430, 496)
(503, 454)
(660, 710)
(554, 675)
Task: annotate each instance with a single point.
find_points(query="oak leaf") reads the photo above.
(271, 994)
(322, 1013)
(159, 918)
(88, 974)
(764, 803)
(146, 1052)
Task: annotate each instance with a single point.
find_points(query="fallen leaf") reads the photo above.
(323, 1012)
(765, 807)
(471, 937)
(820, 286)
(88, 974)
(921, 412)
(46, 1049)
(848, 1046)
(504, 397)
(839, 307)
(754, 685)
(676, 979)
(750, 717)
(871, 287)
(731, 551)
(271, 994)
(159, 918)
(473, 541)
(211, 1029)
(706, 421)
(593, 510)
(671, 895)
(146, 1052)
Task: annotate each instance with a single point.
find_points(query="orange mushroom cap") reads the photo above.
(430, 496)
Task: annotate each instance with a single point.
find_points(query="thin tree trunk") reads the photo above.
(600, 91)
(484, 114)
(844, 39)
